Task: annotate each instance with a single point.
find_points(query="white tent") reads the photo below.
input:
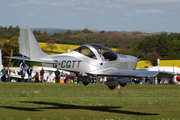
(176, 70)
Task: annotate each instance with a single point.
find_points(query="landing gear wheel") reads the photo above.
(112, 87)
(85, 83)
(123, 84)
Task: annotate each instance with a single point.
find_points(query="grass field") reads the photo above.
(44, 101)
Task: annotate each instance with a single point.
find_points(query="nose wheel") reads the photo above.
(85, 83)
(112, 87)
(123, 84)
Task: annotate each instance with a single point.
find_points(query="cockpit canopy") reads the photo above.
(95, 50)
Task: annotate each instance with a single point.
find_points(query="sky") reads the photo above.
(108, 15)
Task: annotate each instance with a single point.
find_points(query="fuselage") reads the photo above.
(88, 59)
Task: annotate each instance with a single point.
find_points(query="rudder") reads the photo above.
(28, 45)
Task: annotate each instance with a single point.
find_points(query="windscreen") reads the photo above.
(86, 51)
(107, 53)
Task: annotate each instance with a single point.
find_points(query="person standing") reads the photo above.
(8, 74)
(1, 74)
(29, 72)
(36, 77)
(66, 78)
(57, 74)
(4, 72)
(42, 75)
(23, 72)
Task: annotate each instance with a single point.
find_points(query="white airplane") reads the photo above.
(92, 59)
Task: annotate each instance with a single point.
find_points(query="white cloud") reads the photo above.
(140, 11)
(54, 4)
(155, 11)
(129, 14)
(81, 8)
(148, 11)
(101, 11)
(127, 19)
(120, 18)
(37, 2)
(150, 1)
(113, 6)
(73, 1)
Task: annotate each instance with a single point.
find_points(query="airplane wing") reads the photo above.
(14, 76)
(132, 73)
(113, 71)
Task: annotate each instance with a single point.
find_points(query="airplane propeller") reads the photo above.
(142, 53)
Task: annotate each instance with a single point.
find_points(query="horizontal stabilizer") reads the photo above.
(30, 60)
(17, 57)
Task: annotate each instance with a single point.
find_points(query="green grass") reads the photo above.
(43, 101)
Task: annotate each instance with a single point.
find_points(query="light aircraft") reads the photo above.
(92, 59)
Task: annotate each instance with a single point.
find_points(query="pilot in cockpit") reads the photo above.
(100, 53)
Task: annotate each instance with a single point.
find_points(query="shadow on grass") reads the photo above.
(68, 106)
(20, 108)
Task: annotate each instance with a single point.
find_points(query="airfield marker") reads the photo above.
(118, 87)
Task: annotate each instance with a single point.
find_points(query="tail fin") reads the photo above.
(28, 45)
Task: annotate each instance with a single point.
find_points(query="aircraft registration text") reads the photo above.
(67, 64)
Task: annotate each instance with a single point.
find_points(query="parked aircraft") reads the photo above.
(48, 75)
(92, 59)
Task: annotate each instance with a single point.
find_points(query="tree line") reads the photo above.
(163, 46)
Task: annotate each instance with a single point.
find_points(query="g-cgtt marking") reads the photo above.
(67, 64)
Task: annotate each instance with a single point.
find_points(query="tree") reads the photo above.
(34, 32)
(44, 49)
(39, 32)
(87, 31)
(68, 32)
(125, 51)
(51, 45)
(64, 47)
(17, 28)
(152, 57)
(10, 50)
(6, 51)
(10, 28)
(102, 31)
(45, 32)
(162, 46)
(14, 40)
